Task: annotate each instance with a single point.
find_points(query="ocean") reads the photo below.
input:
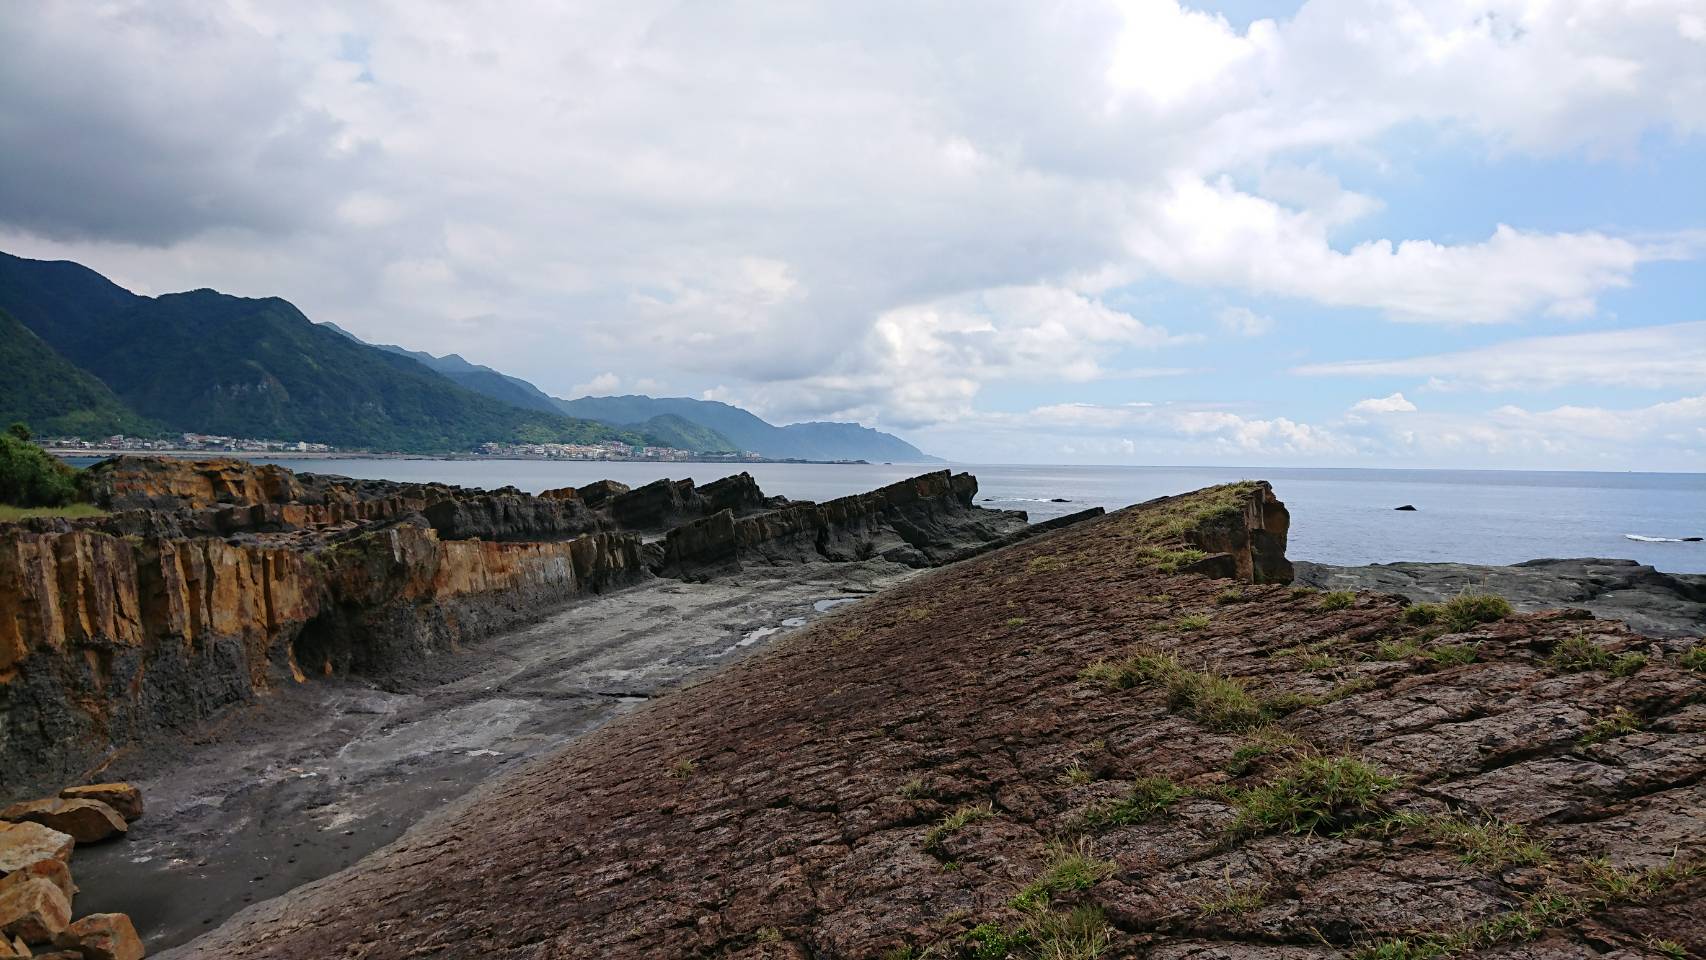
(1339, 516)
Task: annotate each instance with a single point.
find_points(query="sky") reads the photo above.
(1338, 233)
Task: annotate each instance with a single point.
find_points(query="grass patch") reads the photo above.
(1149, 797)
(1451, 654)
(1578, 654)
(1462, 612)
(955, 822)
(1614, 724)
(1229, 596)
(1694, 658)
(1076, 774)
(70, 511)
(1217, 702)
(1070, 867)
(1337, 600)
(1168, 560)
(1398, 649)
(1192, 621)
(1079, 934)
(1232, 901)
(1628, 665)
(1265, 742)
(1490, 842)
(1314, 793)
(682, 769)
(1015, 621)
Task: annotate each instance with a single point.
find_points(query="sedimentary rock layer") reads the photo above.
(219, 579)
(1057, 749)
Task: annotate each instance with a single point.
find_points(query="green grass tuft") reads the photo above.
(1614, 724)
(1193, 621)
(1149, 797)
(1694, 658)
(1579, 654)
(1337, 599)
(1314, 793)
(955, 822)
(1070, 867)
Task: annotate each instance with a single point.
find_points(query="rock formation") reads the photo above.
(214, 581)
(1074, 747)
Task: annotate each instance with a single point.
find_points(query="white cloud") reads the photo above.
(1245, 322)
(602, 385)
(1390, 404)
(840, 216)
(1672, 355)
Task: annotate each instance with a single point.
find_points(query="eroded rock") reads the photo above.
(102, 936)
(124, 798)
(86, 821)
(34, 910)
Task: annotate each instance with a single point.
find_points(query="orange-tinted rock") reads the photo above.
(22, 844)
(560, 493)
(35, 910)
(56, 872)
(102, 936)
(87, 821)
(130, 483)
(122, 797)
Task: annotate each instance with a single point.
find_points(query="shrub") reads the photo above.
(32, 477)
(1314, 793)
(1337, 599)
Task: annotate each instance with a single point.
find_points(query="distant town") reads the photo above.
(212, 443)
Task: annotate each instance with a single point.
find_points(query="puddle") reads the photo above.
(794, 622)
(753, 636)
(824, 606)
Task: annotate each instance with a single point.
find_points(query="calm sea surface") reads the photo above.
(1338, 516)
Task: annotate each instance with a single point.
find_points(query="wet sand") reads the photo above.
(312, 778)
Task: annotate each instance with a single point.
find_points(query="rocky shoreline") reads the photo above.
(1650, 601)
(298, 668)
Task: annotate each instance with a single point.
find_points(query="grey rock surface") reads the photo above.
(1655, 603)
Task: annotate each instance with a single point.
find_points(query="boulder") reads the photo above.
(102, 936)
(560, 493)
(122, 797)
(56, 872)
(34, 910)
(87, 821)
(22, 844)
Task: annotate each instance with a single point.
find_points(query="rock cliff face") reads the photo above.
(220, 579)
(104, 639)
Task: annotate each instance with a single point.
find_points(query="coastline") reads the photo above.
(271, 455)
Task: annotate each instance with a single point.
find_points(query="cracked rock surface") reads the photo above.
(1059, 750)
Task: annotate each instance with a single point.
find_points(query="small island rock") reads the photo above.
(1410, 508)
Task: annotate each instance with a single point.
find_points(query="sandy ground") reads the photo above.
(312, 778)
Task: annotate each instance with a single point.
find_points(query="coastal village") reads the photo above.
(212, 443)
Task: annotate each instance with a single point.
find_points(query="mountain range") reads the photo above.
(83, 356)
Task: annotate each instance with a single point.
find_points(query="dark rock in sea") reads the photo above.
(1692, 539)
(1060, 500)
(1657, 604)
(1406, 507)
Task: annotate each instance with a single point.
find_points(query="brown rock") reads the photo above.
(103, 936)
(22, 844)
(35, 910)
(57, 872)
(87, 821)
(122, 797)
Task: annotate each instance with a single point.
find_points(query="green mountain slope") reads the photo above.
(809, 441)
(684, 434)
(43, 389)
(469, 376)
(213, 363)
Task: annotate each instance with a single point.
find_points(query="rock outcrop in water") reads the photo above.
(214, 581)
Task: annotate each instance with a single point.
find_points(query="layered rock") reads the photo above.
(1061, 749)
(220, 579)
(104, 639)
(920, 522)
